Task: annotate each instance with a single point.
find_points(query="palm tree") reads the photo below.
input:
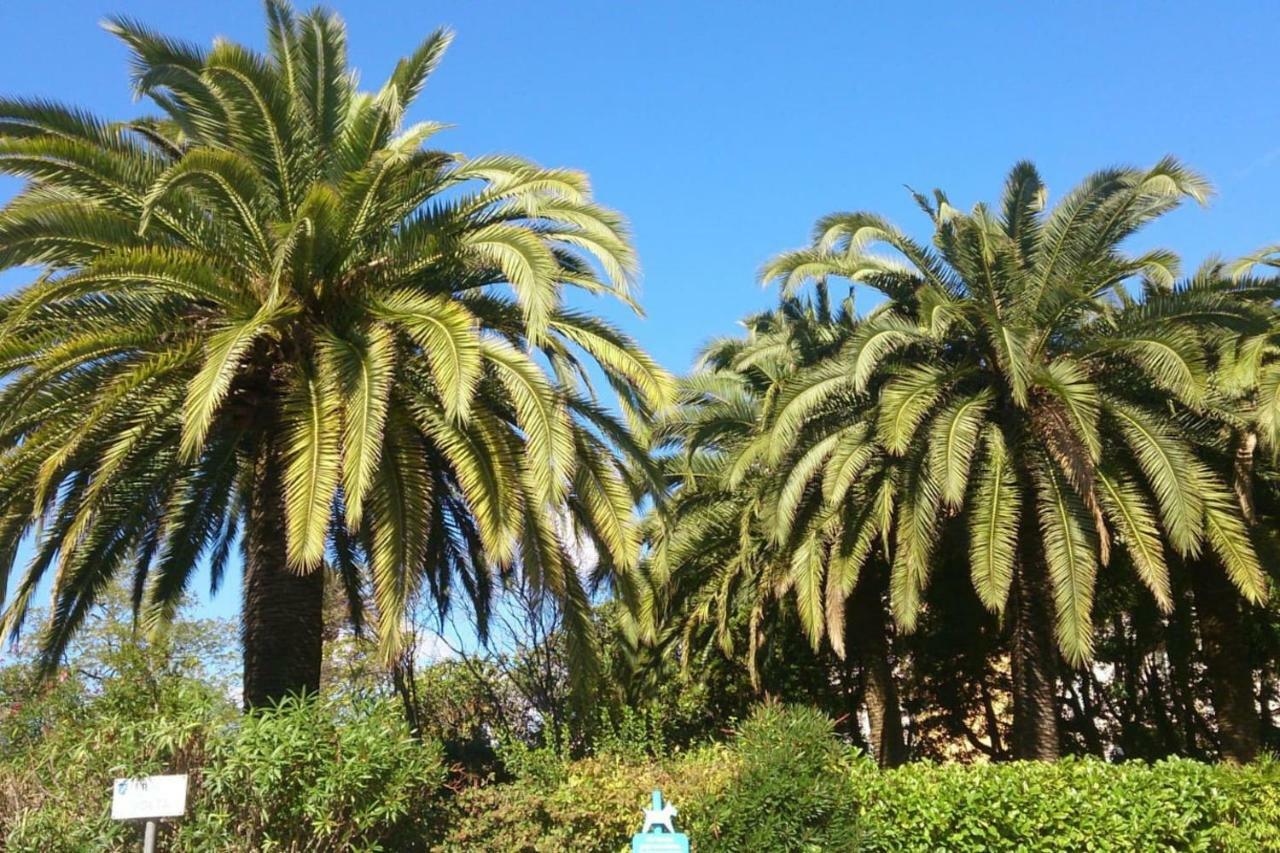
(725, 548)
(271, 316)
(1240, 433)
(1024, 390)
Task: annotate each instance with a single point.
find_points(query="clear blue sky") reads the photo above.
(722, 130)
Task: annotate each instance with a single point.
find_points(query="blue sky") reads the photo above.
(722, 130)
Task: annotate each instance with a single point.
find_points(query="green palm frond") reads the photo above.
(312, 425)
(1071, 558)
(993, 527)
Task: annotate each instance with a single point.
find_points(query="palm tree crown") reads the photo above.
(271, 315)
(1027, 377)
(1022, 385)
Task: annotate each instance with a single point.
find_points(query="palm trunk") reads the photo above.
(283, 616)
(1179, 647)
(1226, 657)
(1033, 654)
(880, 693)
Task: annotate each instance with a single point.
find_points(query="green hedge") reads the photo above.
(1071, 805)
(786, 784)
(347, 776)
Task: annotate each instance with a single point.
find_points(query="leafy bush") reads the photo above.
(307, 775)
(595, 806)
(783, 785)
(792, 790)
(317, 776)
(786, 783)
(1071, 805)
(60, 747)
(345, 774)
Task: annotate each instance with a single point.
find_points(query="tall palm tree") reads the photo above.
(271, 316)
(725, 546)
(1240, 434)
(1024, 390)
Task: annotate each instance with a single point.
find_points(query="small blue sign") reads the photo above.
(658, 835)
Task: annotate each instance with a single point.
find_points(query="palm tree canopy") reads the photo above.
(278, 258)
(716, 562)
(1023, 374)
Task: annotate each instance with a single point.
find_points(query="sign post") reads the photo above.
(149, 798)
(658, 835)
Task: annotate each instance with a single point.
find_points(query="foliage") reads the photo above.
(346, 774)
(1075, 804)
(1064, 403)
(792, 790)
(785, 779)
(334, 775)
(309, 775)
(783, 784)
(273, 316)
(120, 707)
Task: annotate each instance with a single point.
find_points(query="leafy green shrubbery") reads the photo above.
(337, 775)
(345, 774)
(786, 783)
(311, 775)
(783, 784)
(307, 775)
(1074, 804)
(125, 711)
(792, 789)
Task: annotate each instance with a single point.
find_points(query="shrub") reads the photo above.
(792, 789)
(60, 749)
(594, 808)
(786, 783)
(339, 775)
(1072, 805)
(317, 776)
(306, 775)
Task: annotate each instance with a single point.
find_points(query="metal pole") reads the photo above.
(149, 838)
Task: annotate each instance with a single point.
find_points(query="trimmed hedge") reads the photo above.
(1074, 804)
(786, 783)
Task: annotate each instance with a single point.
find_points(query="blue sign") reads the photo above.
(658, 835)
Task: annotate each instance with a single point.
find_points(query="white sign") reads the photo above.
(149, 797)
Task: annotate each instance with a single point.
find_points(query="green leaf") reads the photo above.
(364, 371)
(447, 333)
(312, 457)
(953, 442)
(224, 354)
(995, 509)
(1071, 556)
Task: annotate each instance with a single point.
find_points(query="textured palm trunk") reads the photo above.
(1226, 656)
(1180, 646)
(283, 616)
(869, 630)
(1033, 654)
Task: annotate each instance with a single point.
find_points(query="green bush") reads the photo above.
(595, 807)
(307, 775)
(346, 775)
(316, 776)
(60, 749)
(792, 789)
(786, 783)
(1071, 805)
